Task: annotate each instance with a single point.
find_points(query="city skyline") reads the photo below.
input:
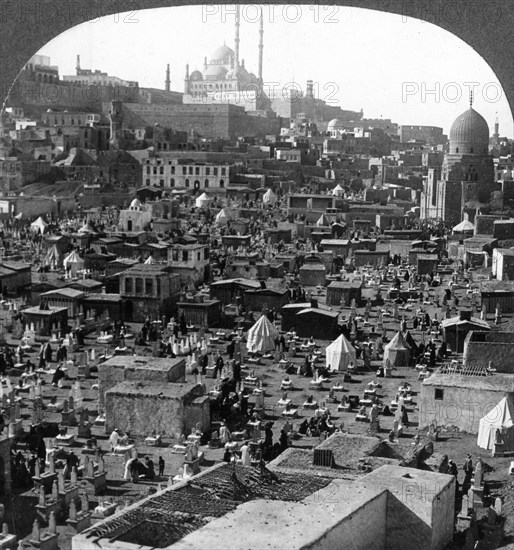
(418, 90)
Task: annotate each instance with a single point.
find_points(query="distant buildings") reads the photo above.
(467, 176)
(183, 174)
(95, 78)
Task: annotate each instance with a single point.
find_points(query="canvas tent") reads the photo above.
(53, 257)
(203, 201)
(221, 217)
(500, 419)
(39, 226)
(338, 191)
(410, 340)
(339, 354)
(150, 260)
(464, 227)
(269, 197)
(86, 228)
(323, 221)
(261, 337)
(73, 263)
(397, 351)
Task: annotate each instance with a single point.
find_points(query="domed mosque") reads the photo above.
(224, 78)
(467, 175)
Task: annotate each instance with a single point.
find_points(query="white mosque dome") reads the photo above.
(335, 124)
(222, 54)
(196, 75)
(135, 204)
(215, 71)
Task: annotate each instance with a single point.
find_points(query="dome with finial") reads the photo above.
(222, 55)
(469, 134)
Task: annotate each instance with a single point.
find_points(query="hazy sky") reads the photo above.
(404, 69)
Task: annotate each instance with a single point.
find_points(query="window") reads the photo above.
(439, 394)
(197, 171)
(147, 181)
(149, 287)
(172, 182)
(161, 183)
(184, 170)
(155, 170)
(128, 285)
(207, 171)
(161, 170)
(190, 170)
(206, 183)
(139, 286)
(148, 169)
(172, 170)
(222, 183)
(457, 150)
(215, 170)
(223, 171)
(184, 255)
(187, 182)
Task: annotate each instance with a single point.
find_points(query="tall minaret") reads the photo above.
(496, 127)
(186, 80)
(78, 65)
(167, 83)
(261, 45)
(236, 41)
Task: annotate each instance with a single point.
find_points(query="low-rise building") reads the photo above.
(341, 293)
(69, 298)
(178, 173)
(149, 291)
(190, 261)
(460, 399)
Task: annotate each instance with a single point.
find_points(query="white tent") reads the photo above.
(203, 201)
(323, 221)
(464, 227)
(150, 260)
(53, 257)
(261, 337)
(73, 263)
(500, 419)
(222, 217)
(39, 225)
(269, 197)
(397, 351)
(338, 191)
(86, 228)
(339, 354)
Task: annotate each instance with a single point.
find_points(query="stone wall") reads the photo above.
(145, 410)
(460, 407)
(118, 370)
(498, 353)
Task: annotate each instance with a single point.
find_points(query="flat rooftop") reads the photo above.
(141, 362)
(278, 525)
(495, 382)
(151, 389)
(170, 515)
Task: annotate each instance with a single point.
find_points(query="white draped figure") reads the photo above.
(114, 439)
(245, 456)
